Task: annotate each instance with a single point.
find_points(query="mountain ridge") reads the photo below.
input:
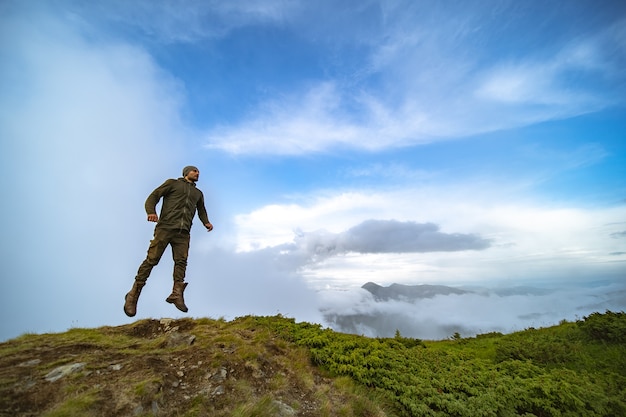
(403, 292)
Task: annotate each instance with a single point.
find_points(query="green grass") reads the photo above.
(573, 369)
(75, 406)
(263, 407)
(557, 371)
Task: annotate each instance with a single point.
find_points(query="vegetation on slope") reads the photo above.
(573, 369)
(273, 366)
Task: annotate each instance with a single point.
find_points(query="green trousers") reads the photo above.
(178, 240)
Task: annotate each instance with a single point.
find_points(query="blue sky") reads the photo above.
(339, 142)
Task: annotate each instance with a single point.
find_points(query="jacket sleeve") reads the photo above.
(202, 214)
(156, 195)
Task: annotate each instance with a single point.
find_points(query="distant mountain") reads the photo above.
(402, 292)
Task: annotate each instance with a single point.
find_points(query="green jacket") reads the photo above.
(181, 199)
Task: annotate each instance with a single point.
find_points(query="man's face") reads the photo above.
(193, 175)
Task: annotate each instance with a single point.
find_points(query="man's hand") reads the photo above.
(208, 226)
(153, 218)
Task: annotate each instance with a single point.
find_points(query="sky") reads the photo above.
(476, 144)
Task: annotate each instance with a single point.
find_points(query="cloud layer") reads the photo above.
(482, 239)
(482, 310)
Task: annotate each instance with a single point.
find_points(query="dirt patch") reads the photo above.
(144, 329)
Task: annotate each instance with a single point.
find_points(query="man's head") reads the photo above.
(191, 173)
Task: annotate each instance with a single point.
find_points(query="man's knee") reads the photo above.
(152, 261)
(180, 262)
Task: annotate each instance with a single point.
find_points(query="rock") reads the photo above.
(177, 339)
(115, 367)
(62, 371)
(283, 409)
(31, 362)
(139, 410)
(219, 376)
(166, 322)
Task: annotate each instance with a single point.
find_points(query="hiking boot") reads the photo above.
(130, 301)
(176, 297)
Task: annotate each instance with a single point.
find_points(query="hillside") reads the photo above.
(163, 367)
(273, 366)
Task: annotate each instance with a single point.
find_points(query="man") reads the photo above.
(181, 199)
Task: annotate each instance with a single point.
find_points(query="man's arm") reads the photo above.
(202, 214)
(153, 200)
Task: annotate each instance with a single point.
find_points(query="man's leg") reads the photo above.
(155, 251)
(157, 246)
(180, 252)
(131, 298)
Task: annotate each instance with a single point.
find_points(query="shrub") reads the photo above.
(609, 327)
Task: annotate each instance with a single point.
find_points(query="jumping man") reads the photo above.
(181, 199)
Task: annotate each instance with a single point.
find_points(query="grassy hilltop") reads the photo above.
(273, 366)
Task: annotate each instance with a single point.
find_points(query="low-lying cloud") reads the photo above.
(477, 311)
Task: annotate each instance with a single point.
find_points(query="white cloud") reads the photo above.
(276, 224)
(186, 21)
(512, 84)
(482, 310)
(390, 171)
(550, 82)
(527, 241)
(87, 130)
(426, 74)
(223, 283)
(426, 82)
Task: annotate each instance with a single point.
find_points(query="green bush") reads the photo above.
(537, 372)
(538, 347)
(609, 327)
